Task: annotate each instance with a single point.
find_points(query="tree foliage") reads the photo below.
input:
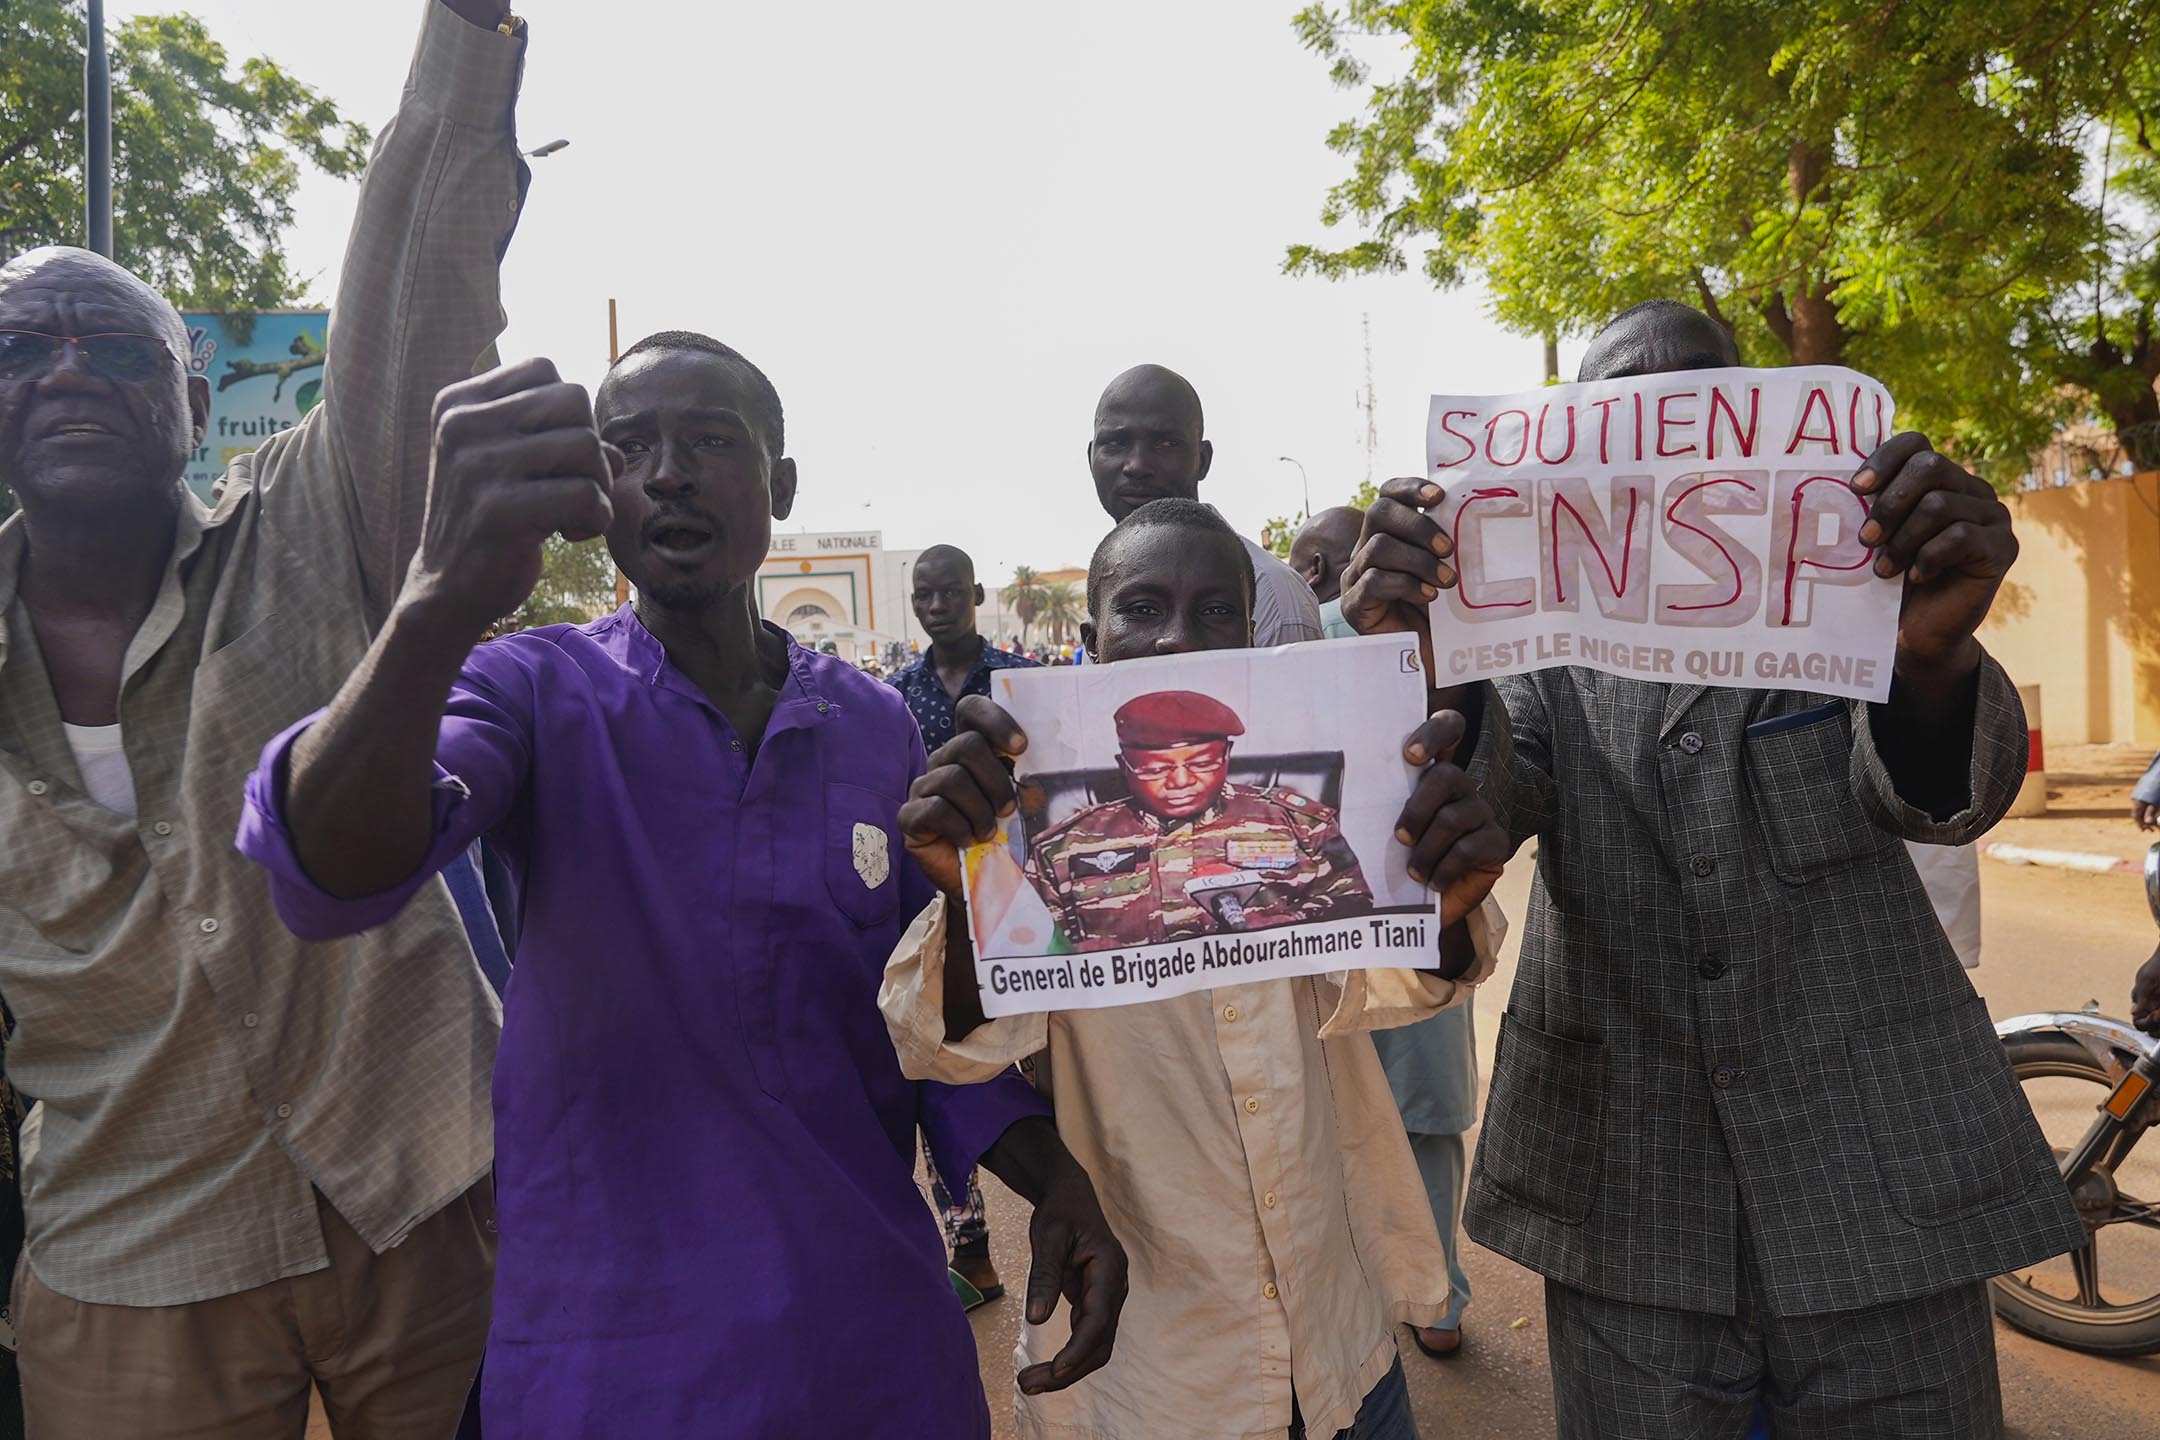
(1276, 534)
(1901, 187)
(1063, 608)
(2099, 337)
(206, 157)
(577, 584)
(1027, 596)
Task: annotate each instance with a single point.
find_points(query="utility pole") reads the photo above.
(1370, 404)
(97, 135)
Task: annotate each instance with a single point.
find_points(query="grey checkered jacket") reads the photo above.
(1736, 1012)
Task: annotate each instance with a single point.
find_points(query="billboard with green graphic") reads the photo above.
(265, 373)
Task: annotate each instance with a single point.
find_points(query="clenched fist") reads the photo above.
(516, 460)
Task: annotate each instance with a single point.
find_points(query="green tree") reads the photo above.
(1063, 608)
(2099, 338)
(1892, 186)
(1027, 595)
(577, 583)
(206, 157)
(1276, 534)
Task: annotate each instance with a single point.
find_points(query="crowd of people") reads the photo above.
(269, 808)
(899, 655)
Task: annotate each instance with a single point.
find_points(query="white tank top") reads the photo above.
(104, 766)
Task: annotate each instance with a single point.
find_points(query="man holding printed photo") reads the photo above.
(1243, 1140)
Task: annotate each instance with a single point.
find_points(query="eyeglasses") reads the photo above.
(1198, 767)
(124, 358)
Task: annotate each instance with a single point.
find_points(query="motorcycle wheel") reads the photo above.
(2033, 1300)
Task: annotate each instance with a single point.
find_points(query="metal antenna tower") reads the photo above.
(1367, 404)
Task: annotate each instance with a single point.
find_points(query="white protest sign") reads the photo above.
(1202, 820)
(1696, 527)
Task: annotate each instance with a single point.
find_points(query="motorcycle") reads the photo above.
(2065, 1061)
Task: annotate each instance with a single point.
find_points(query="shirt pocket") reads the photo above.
(1543, 1141)
(70, 881)
(1799, 773)
(1952, 1133)
(862, 854)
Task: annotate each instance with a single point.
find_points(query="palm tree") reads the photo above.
(1062, 609)
(1026, 596)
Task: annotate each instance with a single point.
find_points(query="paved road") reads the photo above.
(2053, 941)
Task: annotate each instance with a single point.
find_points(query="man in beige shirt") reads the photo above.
(263, 1163)
(1243, 1140)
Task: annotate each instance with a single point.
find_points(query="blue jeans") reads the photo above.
(1384, 1414)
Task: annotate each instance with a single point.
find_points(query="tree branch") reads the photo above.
(1778, 318)
(1709, 302)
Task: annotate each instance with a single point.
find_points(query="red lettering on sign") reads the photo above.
(1462, 524)
(1802, 435)
(1745, 438)
(1793, 561)
(1672, 516)
(1852, 424)
(1469, 445)
(1562, 458)
(1493, 425)
(1627, 545)
(1667, 422)
(1604, 407)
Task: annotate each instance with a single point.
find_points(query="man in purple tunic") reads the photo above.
(704, 1142)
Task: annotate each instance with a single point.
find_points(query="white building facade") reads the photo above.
(843, 587)
(846, 587)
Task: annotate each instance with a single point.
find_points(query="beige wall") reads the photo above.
(2080, 614)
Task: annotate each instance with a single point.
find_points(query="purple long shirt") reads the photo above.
(709, 1223)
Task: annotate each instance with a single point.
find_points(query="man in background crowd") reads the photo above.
(959, 662)
(1431, 1065)
(1319, 551)
(263, 1164)
(1150, 443)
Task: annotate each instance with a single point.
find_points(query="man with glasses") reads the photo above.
(264, 1163)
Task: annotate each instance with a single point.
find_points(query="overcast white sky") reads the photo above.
(941, 228)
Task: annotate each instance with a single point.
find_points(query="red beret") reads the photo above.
(1175, 717)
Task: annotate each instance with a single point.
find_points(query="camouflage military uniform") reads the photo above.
(1115, 874)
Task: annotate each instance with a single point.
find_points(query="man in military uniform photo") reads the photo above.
(1188, 853)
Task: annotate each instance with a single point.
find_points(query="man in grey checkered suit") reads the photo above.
(1748, 1118)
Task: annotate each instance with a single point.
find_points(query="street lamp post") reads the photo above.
(541, 152)
(97, 135)
(1303, 481)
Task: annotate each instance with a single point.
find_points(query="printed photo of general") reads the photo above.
(1201, 795)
